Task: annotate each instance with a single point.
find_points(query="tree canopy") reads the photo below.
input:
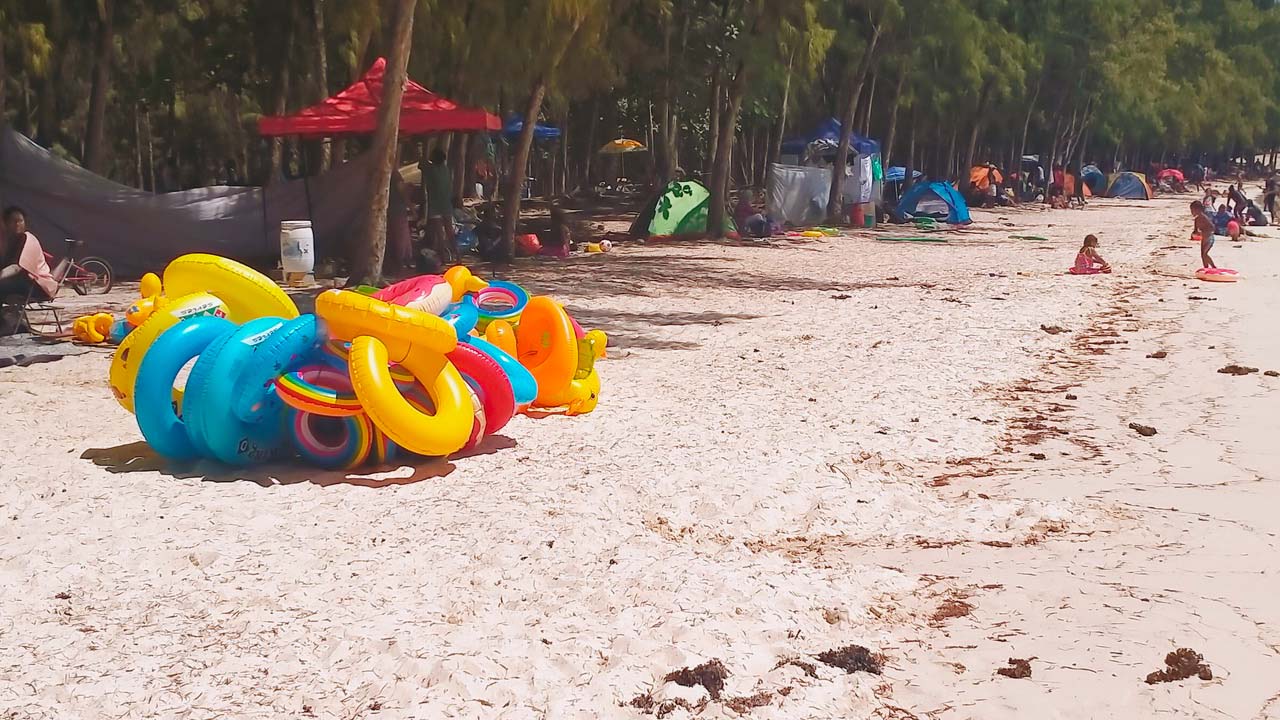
(164, 94)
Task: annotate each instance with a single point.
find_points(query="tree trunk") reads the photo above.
(151, 150)
(367, 268)
(1027, 121)
(775, 149)
(951, 155)
(662, 153)
(592, 138)
(891, 136)
(1053, 152)
(322, 71)
(47, 116)
(281, 105)
(458, 162)
(515, 179)
(651, 159)
(95, 151)
(871, 101)
(978, 122)
(911, 153)
(835, 208)
(713, 123)
(564, 153)
(724, 151)
(137, 146)
(4, 77)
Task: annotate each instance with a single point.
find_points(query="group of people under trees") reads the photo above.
(1065, 188)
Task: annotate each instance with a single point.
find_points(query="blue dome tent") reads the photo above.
(937, 200)
(1094, 178)
(1129, 185)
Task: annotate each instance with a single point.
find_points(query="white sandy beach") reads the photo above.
(799, 446)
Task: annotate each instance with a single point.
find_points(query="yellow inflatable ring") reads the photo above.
(248, 293)
(402, 330)
(128, 357)
(548, 348)
(445, 432)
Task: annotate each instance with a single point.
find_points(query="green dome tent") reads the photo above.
(680, 211)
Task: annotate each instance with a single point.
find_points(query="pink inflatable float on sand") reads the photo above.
(1217, 275)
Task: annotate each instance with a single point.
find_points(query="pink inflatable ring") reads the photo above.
(1217, 275)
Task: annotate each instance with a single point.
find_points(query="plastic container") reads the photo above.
(869, 216)
(297, 250)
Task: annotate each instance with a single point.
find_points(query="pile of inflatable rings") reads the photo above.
(428, 366)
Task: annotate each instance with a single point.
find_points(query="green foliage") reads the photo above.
(193, 76)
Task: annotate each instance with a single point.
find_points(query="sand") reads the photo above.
(800, 446)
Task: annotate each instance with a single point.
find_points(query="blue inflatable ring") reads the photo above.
(502, 300)
(288, 349)
(157, 417)
(228, 438)
(463, 316)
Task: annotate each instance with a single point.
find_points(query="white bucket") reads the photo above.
(297, 250)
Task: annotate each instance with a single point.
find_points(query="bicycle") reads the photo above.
(90, 275)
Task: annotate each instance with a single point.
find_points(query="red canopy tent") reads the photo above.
(354, 111)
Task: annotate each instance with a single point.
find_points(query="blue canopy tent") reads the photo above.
(827, 134)
(897, 173)
(515, 124)
(937, 200)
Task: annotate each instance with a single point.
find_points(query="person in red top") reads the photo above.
(22, 263)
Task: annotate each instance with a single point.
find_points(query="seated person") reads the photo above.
(750, 223)
(560, 240)
(1057, 198)
(1221, 219)
(1088, 261)
(1254, 215)
(489, 233)
(22, 264)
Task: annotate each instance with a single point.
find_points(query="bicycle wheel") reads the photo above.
(97, 276)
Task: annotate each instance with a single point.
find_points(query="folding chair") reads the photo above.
(35, 300)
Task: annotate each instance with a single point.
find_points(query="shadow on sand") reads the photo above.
(139, 457)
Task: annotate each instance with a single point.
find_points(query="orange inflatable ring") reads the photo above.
(548, 348)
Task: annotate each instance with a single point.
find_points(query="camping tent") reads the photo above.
(798, 194)
(1171, 173)
(978, 175)
(354, 111)
(897, 173)
(515, 124)
(938, 200)
(826, 139)
(1128, 185)
(680, 211)
(1094, 180)
(138, 231)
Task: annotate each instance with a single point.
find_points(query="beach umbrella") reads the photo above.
(620, 146)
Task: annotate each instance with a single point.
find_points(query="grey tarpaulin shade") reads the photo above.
(138, 231)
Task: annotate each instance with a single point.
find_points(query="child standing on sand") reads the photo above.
(1088, 261)
(1203, 231)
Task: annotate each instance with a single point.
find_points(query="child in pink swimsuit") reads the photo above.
(1088, 261)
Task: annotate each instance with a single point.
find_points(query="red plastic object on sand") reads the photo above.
(855, 215)
(529, 244)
